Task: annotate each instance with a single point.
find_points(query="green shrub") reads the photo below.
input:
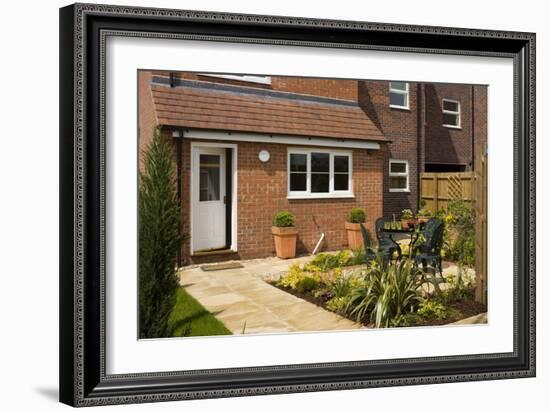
(358, 256)
(457, 290)
(159, 239)
(306, 284)
(341, 286)
(337, 304)
(283, 219)
(292, 277)
(326, 261)
(431, 309)
(406, 320)
(357, 215)
(389, 290)
(463, 249)
(424, 212)
(460, 219)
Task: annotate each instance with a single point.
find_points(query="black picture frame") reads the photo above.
(83, 29)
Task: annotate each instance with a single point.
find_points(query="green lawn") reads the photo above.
(190, 319)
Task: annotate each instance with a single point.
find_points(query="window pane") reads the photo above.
(209, 180)
(398, 182)
(320, 162)
(398, 85)
(397, 99)
(398, 167)
(341, 164)
(341, 182)
(298, 181)
(319, 183)
(298, 162)
(450, 105)
(450, 119)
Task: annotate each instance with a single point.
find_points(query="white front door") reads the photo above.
(209, 196)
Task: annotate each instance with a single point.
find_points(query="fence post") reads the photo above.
(480, 204)
(436, 178)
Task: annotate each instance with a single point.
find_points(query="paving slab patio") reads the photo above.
(243, 301)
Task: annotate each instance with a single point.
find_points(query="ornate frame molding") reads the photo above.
(82, 361)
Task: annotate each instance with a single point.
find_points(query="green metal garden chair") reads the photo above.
(386, 245)
(428, 252)
(370, 253)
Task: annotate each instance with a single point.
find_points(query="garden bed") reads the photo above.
(336, 283)
(464, 309)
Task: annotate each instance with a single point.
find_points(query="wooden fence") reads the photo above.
(438, 189)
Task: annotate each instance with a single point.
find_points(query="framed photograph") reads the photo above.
(261, 204)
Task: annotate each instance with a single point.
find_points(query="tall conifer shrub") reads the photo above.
(159, 238)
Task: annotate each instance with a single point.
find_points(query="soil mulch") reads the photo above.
(465, 308)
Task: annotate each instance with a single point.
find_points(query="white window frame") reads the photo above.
(307, 194)
(457, 113)
(399, 91)
(405, 174)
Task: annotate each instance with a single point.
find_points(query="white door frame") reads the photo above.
(198, 144)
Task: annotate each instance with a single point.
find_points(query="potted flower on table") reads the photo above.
(284, 234)
(407, 219)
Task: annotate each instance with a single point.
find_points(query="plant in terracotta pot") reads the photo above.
(407, 219)
(353, 228)
(284, 234)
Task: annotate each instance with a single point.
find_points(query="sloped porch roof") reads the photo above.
(200, 105)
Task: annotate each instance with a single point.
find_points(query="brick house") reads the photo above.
(249, 146)
(432, 128)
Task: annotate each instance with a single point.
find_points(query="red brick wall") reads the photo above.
(480, 114)
(262, 192)
(401, 127)
(147, 119)
(443, 144)
(341, 89)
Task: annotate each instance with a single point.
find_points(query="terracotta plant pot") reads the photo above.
(285, 241)
(407, 224)
(355, 239)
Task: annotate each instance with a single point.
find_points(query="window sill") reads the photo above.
(453, 127)
(399, 190)
(400, 108)
(317, 196)
(244, 79)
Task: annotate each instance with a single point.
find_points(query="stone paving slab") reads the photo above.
(240, 298)
(476, 319)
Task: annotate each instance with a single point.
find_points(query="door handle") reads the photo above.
(224, 200)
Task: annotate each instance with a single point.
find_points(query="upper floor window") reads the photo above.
(399, 175)
(319, 173)
(399, 94)
(451, 113)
